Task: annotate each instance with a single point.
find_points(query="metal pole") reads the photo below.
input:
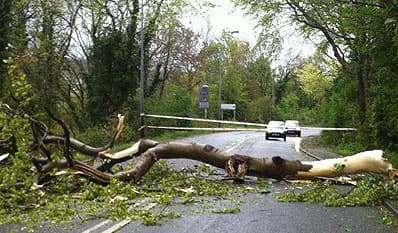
(219, 90)
(142, 74)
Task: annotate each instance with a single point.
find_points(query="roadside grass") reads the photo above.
(346, 144)
(347, 149)
(392, 156)
(174, 134)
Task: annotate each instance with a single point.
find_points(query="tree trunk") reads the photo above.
(362, 79)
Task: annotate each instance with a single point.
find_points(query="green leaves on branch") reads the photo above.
(150, 202)
(369, 191)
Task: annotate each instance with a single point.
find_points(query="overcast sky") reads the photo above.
(225, 17)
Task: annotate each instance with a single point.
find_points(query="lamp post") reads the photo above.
(142, 74)
(220, 81)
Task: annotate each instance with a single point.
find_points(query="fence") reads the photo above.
(222, 122)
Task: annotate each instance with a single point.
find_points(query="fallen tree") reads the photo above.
(145, 153)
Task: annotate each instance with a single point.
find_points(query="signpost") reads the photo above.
(227, 107)
(204, 98)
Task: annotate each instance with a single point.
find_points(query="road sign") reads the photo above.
(204, 97)
(228, 106)
(203, 104)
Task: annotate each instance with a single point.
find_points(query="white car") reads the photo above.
(275, 129)
(293, 127)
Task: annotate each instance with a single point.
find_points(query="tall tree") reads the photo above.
(114, 59)
(258, 84)
(5, 20)
(40, 36)
(349, 29)
(177, 55)
(314, 83)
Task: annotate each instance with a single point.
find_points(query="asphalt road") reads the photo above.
(258, 212)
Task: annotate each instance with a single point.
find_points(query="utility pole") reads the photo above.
(142, 74)
(220, 81)
(219, 88)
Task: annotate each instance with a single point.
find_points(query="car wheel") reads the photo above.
(299, 134)
(266, 137)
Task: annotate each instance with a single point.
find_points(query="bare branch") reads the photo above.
(68, 155)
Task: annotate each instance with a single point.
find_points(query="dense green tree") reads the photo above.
(110, 82)
(361, 36)
(383, 54)
(258, 79)
(5, 20)
(39, 38)
(114, 56)
(313, 82)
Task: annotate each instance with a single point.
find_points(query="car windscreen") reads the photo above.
(276, 124)
(292, 124)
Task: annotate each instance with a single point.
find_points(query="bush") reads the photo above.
(175, 102)
(99, 136)
(392, 157)
(343, 143)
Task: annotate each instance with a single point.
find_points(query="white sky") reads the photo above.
(225, 17)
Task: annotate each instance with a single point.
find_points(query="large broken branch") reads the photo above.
(274, 167)
(87, 149)
(145, 153)
(368, 161)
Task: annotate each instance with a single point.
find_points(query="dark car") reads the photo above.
(292, 127)
(275, 129)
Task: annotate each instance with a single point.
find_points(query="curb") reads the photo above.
(309, 154)
(386, 203)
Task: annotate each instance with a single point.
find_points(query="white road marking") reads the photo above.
(97, 226)
(234, 146)
(117, 226)
(297, 143)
